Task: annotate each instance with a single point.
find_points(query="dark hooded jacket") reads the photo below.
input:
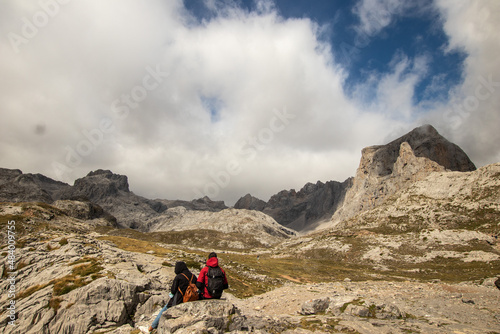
(181, 282)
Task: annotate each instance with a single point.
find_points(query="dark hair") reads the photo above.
(211, 255)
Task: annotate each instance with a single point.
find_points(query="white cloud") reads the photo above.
(282, 115)
(471, 117)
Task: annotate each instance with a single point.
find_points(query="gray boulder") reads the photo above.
(204, 316)
(315, 306)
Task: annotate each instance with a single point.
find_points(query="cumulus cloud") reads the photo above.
(471, 116)
(236, 103)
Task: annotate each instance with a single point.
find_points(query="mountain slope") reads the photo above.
(445, 226)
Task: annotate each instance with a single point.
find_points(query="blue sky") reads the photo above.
(416, 31)
(223, 98)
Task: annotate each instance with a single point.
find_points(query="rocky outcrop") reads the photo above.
(386, 169)
(83, 210)
(198, 317)
(302, 210)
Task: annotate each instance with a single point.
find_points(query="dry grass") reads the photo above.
(136, 245)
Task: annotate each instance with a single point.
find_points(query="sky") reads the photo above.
(222, 98)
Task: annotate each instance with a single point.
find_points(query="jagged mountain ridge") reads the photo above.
(383, 170)
(302, 210)
(102, 187)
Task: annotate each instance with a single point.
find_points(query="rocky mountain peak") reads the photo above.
(250, 202)
(426, 142)
(104, 179)
(8, 174)
(385, 169)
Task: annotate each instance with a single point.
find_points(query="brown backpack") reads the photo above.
(191, 293)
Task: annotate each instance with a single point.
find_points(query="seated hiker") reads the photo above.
(212, 279)
(178, 290)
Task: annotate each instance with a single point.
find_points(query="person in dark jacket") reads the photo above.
(179, 284)
(203, 279)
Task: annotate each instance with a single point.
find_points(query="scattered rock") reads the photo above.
(315, 306)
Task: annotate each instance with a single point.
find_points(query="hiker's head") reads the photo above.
(180, 266)
(211, 255)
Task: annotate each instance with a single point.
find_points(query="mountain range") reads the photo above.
(383, 170)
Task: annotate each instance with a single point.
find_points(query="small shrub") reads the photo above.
(190, 263)
(55, 303)
(67, 284)
(63, 241)
(87, 269)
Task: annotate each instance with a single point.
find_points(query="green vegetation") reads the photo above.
(83, 268)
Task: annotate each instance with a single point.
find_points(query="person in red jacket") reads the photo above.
(212, 279)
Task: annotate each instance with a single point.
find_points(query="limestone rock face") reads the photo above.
(384, 170)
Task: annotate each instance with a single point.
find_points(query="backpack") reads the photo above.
(191, 293)
(215, 282)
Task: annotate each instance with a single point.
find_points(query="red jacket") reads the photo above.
(203, 278)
